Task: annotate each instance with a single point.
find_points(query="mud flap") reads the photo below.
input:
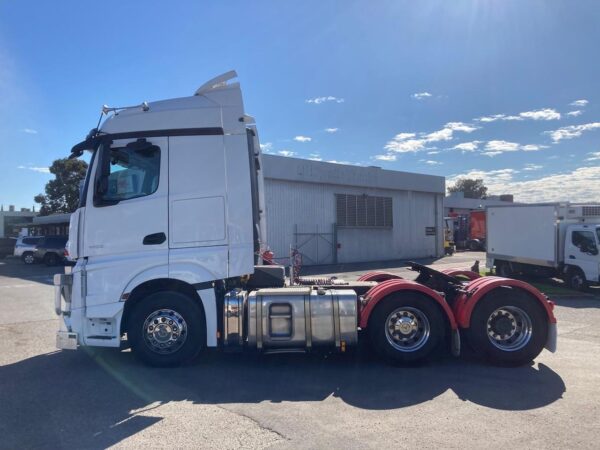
(455, 343)
(552, 338)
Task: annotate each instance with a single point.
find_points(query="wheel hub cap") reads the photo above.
(165, 331)
(509, 328)
(407, 329)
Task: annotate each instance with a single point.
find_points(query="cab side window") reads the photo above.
(585, 242)
(127, 172)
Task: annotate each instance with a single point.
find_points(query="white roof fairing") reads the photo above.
(215, 106)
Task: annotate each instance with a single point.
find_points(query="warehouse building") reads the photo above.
(336, 213)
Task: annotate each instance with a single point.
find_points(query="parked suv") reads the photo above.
(25, 247)
(6, 247)
(51, 250)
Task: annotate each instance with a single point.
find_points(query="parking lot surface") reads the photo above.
(102, 398)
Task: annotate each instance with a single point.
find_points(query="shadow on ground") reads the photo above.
(83, 400)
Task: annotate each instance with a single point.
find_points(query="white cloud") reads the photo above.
(493, 148)
(421, 95)
(302, 139)
(581, 103)
(267, 147)
(541, 114)
(575, 113)
(433, 152)
(388, 157)
(328, 98)
(537, 114)
(405, 146)
(572, 131)
(286, 153)
(431, 162)
(531, 167)
(467, 146)
(594, 156)
(36, 169)
(29, 131)
(579, 185)
(409, 143)
(332, 130)
(315, 157)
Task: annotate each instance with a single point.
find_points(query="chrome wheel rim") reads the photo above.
(407, 329)
(165, 331)
(28, 259)
(509, 328)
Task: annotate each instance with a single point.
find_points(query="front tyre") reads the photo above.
(508, 328)
(406, 328)
(28, 258)
(575, 279)
(166, 329)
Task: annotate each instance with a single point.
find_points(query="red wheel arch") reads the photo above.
(477, 289)
(379, 276)
(468, 274)
(382, 290)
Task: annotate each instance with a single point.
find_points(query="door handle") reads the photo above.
(571, 257)
(155, 239)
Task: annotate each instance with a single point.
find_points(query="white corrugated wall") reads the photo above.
(309, 208)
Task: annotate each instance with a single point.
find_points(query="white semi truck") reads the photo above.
(548, 239)
(168, 239)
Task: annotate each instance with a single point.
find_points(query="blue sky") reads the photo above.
(337, 81)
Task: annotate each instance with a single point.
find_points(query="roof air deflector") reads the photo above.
(216, 82)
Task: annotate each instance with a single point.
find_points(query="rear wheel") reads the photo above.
(51, 259)
(575, 279)
(508, 328)
(166, 329)
(28, 258)
(406, 329)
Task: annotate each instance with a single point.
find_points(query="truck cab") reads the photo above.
(581, 258)
(171, 194)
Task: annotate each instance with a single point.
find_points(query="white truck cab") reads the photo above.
(168, 239)
(171, 194)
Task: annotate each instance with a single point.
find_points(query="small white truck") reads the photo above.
(549, 239)
(168, 243)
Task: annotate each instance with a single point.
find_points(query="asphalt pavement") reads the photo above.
(102, 398)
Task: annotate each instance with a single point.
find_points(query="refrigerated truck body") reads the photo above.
(550, 239)
(168, 241)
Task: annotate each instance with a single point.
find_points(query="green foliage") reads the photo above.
(472, 188)
(62, 193)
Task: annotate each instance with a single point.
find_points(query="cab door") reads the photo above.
(126, 216)
(582, 251)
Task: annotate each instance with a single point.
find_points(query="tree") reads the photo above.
(472, 188)
(62, 193)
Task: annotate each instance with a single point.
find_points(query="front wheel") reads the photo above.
(508, 328)
(575, 279)
(51, 259)
(166, 329)
(28, 258)
(406, 329)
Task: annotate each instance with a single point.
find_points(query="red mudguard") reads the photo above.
(379, 276)
(477, 289)
(382, 290)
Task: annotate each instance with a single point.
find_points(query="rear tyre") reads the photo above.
(575, 279)
(508, 328)
(503, 269)
(473, 246)
(28, 258)
(406, 328)
(166, 329)
(51, 259)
